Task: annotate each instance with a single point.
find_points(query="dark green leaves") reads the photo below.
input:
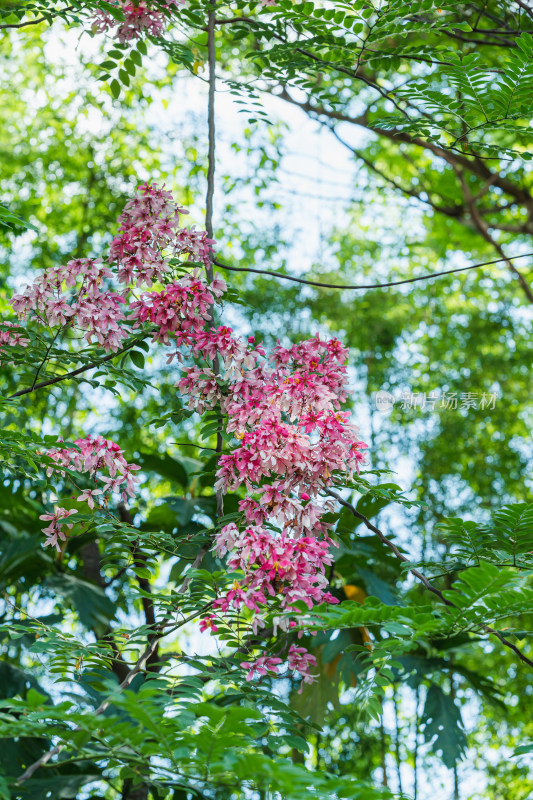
(506, 540)
(90, 602)
(165, 466)
(443, 726)
(14, 681)
(13, 222)
(137, 358)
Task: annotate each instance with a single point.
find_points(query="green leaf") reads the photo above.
(12, 221)
(137, 358)
(129, 66)
(89, 600)
(443, 726)
(112, 9)
(523, 749)
(35, 698)
(165, 466)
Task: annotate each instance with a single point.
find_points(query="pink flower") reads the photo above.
(208, 624)
(54, 530)
(261, 666)
(12, 335)
(139, 18)
(88, 496)
(301, 661)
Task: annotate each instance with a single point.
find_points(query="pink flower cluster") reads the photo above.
(299, 660)
(281, 565)
(182, 308)
(141, 17)
(292, 440)
(102, 460)
(73, 295)
(93, 457)
(150, 236)
(54, 530)
(79, 295)
(12, 335)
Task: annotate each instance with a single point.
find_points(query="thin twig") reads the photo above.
(370, 285)
(43, 362)
(36, 21)
(199, 446)
(75, 372)
(483, 229)
(211, 132)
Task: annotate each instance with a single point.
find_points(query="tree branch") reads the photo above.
(75, 372)
(419, 575)
(483, 229)
(472, 165)
(523, 5)
(35, 21)
(450, 211)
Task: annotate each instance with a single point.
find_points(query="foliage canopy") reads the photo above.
(111, 684)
